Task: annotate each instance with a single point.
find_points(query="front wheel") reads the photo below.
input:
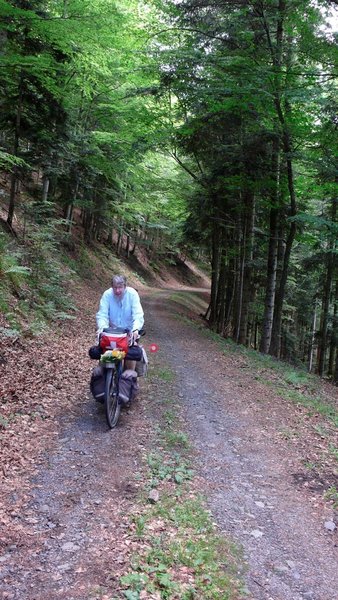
(111, 400)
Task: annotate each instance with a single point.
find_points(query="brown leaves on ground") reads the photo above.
(40, 379)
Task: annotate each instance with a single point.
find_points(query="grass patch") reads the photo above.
(168, 467)
(176, 439)
(200, 563)
(332, 495)
(183, 556)
(165, 374)
(316, 404)
(179, 552)
(333, 451)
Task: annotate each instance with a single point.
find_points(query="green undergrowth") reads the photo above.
(181, 555)
(36, 273)
(33, 282)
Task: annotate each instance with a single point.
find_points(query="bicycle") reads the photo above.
(113, 363)
(112, 402)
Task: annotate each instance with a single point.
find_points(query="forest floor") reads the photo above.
(90, 513)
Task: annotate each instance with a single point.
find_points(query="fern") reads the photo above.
(17, 270)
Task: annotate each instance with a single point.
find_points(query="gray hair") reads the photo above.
(119, 280)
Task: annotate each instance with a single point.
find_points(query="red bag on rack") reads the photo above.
(112, 341)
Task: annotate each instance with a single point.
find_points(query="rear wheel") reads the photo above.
(111, 401)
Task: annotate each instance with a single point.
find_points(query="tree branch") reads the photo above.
(193, 175)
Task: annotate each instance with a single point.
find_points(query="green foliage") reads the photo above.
(154, 125)
(332, 495)
(8, 161)
(234, 97)
(166, 374)
(38, 285)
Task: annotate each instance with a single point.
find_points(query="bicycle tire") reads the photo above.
(111, 401)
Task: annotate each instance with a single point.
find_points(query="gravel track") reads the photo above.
(233, 422)
(73, 544)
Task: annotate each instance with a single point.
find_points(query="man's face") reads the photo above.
(118, 290)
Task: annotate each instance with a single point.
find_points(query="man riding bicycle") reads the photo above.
(120, 306)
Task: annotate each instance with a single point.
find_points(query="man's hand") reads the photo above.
(134, 336)
(98, 333)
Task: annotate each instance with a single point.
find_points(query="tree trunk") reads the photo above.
(69, 217)
(119, 238)
(287, 148)
(14, 178)
(221, 295)
(334, 336)
(275, 345)
(45, 188)
(271, 284)
(322, 348)
(248, 243)
(88, 226)
(128, 245)
(237, 276)
(215, 268)
(229, 298)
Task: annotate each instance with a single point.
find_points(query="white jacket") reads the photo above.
(123, 312)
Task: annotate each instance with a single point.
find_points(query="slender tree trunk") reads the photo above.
(237, 277)
(256, 336)
(70, 207)
(334, 336)
(322, 348)
(14, 177)
(288, 151)
(143, 235)
(275, 345)
(335, 375)
(271, 284)
(247, 267)
(215, 269)
(221, 295)
(270, 293)
(128, 245)
(45, 188)
(88, 227)
(134, 246)
(119, 238)
(331, 256)
(229, 298)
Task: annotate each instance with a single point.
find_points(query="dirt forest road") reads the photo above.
(68, 533)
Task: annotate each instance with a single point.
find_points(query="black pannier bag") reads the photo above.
(128, 386)
(134, 353)
(95, 352)
(97, 383)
